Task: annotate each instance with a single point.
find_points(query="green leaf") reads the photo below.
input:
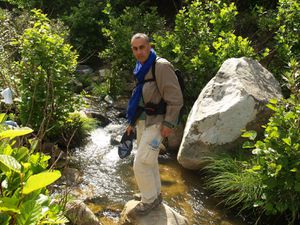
(256, 168)
(60, 219)
(251, 134)
(289, 116)
(21, 153)
(7, 150)
(15, 133)
(260, 144)
(278, 168)
(9, 205)
(30, 213)
(273, 101)
(272, 107)
(287, 140)
(258, 203)
(274, 134)
(2, 117)
(40, 180)
(10, 162)
(256, 151)
(248, 144)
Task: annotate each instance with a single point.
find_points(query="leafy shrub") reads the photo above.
(85, 21)
(8, 32)
(202, 39)
(74, 131)
(101, 89)
(288, 35)
(46, 72)
(281, 26)
(81, 16)
(277, 156)
(24, 178)
(119, 32)
(54, 7)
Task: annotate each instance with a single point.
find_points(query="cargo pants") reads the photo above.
(145, 166)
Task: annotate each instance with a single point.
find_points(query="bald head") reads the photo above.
(140, 46)
(140, 35)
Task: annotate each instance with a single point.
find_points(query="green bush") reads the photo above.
(53, 7)
(102, 89)
(24, 177)
(202, 39)
(85, 21)
(277, 156)
(81, 16)
(288, 35)
(73, 132)
(119, 32)
(46, 71)
(282, 36)
(8, 32)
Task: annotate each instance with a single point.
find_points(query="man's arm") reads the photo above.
(170, 90)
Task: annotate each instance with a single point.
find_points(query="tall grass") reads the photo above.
(233, 182)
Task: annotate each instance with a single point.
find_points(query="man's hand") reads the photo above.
(129, 129)
(165, 131)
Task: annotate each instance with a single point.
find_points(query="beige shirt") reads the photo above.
(166, 87)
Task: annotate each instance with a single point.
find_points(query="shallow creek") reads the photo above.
(108, 183)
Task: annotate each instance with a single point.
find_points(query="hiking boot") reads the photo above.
(138, 197)
(144, 208)
(159, 199)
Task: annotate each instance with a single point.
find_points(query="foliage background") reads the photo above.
(196, 36)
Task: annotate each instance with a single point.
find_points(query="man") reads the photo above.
(160, 100)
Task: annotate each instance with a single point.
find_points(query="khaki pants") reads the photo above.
(145, 166)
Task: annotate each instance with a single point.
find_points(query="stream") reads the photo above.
(107, 182)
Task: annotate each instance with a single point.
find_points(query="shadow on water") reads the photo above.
(108, 183)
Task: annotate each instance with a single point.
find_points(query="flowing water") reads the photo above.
(108, 183)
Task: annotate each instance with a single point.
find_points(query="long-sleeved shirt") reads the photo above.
(167, 87)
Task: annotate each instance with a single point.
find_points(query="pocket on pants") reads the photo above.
(150, 157)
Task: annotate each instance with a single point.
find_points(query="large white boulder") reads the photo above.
(235, 99)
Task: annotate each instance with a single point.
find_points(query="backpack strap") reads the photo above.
(153, 72)
(160, 108)
(153, 69)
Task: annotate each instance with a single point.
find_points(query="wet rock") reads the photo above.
(72, 175)
(84, 69)
(121, 103)
(162, 215)
(105, 111)
(103, 73)
(79, 214)
(77, 86)
(100, 117)
(115, 141)
(234, 100)
(108, 99)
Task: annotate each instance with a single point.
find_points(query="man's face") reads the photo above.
(141, 49)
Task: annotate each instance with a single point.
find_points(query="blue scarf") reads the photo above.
(139, 72)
